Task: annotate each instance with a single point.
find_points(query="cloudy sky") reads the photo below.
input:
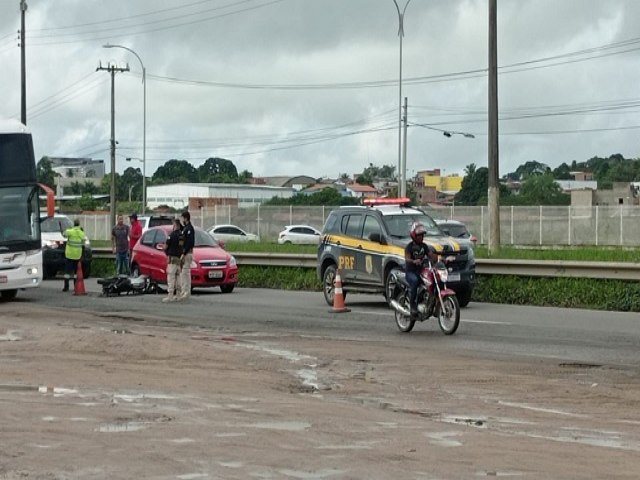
(310, 87)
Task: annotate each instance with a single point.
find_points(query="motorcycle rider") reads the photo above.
(414, 254)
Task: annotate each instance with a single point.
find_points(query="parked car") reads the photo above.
(54, 243)
(300, 234)
(456, 229)
(212, 266)
(232, 233)
(148, 221)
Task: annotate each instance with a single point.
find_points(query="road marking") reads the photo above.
(488, 322)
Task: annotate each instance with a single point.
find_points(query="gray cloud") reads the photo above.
(308, 42)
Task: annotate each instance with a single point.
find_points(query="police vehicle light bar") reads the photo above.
(387, 201)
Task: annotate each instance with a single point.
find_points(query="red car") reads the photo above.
(212, 266)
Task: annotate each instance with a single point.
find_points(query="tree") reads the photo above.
(131, 179)
(562, 172)
(175, 171)
(529, 169)
(474, 185)
(543, 190)
(217, 170)
(327, 196)
(45, 173)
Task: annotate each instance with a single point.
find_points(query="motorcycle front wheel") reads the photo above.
(404, 322)
(449, 316)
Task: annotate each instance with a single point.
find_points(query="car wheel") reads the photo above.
(50, 272)
(135, 270)
(86, 270)
(464, 296)
(8, 294)
(227, 288)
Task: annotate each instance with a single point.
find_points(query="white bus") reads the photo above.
(20, 242)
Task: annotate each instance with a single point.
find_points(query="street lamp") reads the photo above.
(402, 186)
(144, 123)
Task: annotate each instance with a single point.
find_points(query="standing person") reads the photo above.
(72, 252)
(187, 256)
(174, 250)
(414, 254)
(120, 246)
(134, 234)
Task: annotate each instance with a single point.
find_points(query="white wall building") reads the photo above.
(177, 195)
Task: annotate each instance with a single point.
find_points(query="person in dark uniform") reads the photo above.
(414, 255)
(189, 235)
(174, 249)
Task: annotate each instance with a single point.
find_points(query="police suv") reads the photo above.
(367, 243)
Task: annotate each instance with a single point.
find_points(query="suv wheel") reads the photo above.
(328, 284)
(464, 296)
(390, 284)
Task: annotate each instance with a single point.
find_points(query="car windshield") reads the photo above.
(203, 239)
(55, 224)
(454, 230)
(399, 225)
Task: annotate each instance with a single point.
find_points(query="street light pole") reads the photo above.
(402, 186)
(144, 122)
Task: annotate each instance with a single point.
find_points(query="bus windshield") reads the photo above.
(19, 218)
(17, 165)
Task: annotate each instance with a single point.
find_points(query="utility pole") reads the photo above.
(402, 181)
(23, 71)
(494, 185)
(112, 197)
(404, 151)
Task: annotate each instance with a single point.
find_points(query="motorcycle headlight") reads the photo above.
(443, 274)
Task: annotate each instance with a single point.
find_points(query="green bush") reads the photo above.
(592, 293)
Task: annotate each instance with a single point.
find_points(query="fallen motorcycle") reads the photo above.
(433, 299)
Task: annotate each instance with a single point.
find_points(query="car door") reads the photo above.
(297, 235)
(309, 236)
(143, 253)
(158, 257)
(370, 267)
(350, 254)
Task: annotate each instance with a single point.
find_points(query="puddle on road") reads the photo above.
(120, 427)
(444, 439)
(284, 426)
(10, 336)
(306, 475)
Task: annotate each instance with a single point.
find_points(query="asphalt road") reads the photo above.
(487, 330)
(269, 384)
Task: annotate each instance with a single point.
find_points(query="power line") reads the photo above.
(126, 30)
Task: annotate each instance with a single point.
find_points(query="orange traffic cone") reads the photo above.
(78, 285)
(338, 297)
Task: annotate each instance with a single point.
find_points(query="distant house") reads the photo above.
(71, 170)
(361, 191)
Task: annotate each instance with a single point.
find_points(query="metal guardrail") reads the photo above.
(484, 266)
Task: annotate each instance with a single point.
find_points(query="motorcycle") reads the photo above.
(433, 299)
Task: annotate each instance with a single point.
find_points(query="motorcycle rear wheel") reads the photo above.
(449, 316)
(404, 322)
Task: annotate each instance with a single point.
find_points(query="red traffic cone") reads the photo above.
(78, 286)
(338, 296)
